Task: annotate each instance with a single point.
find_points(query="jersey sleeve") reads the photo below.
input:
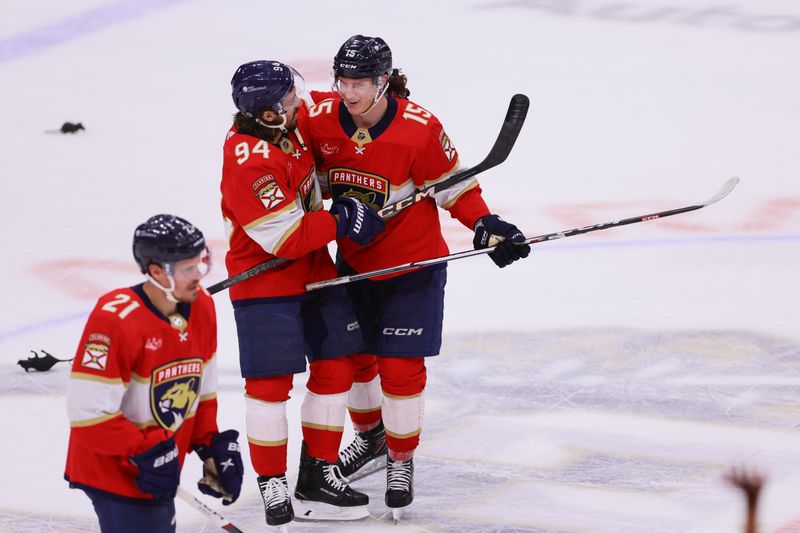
(101, 372)
(205, 425)
(271, 212)
(318, 96)
(437, 162)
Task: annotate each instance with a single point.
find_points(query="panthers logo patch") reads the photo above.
(369, 189)
(308, 192)
(174, 390)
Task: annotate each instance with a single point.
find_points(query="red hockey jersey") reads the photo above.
(137, 378)
(405, 151)
(272, 206)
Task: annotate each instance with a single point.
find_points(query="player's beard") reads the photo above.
(291, 125)
(188, 294)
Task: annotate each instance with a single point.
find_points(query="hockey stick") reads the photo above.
(512, 124)
(224, 523)
(726, 188)
(509, 131)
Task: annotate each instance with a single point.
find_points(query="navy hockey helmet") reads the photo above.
(166, 239)
(261, 85)
(362, 57)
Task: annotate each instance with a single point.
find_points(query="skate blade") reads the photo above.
(308, 510)
(396, 514)
(374, 465)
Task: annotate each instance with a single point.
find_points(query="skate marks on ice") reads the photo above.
(606, 430)
(558, 431)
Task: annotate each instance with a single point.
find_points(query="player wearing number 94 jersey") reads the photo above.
(273, 208)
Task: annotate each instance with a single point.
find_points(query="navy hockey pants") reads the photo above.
(128, 517)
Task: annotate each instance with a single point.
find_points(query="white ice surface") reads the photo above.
(604, 385)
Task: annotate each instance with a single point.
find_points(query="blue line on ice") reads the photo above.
(686, 240)
(78, 25)
(42, 325)
(4, 336)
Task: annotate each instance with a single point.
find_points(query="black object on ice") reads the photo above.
(68, 127)
(40, 363)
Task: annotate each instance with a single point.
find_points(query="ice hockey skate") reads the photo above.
(399, 486)
(365, 455)
(322, 494)
(277, 503)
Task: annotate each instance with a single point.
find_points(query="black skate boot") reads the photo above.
(322, 494)
(399, 485)
(277, 503)
(365, 455)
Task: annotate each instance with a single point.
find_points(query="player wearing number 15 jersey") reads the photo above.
(373, 144)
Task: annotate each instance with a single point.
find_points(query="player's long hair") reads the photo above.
(397, 85)
(249, 126)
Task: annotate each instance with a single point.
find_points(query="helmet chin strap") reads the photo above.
(378, 96)
(167, 291)
(281, 126)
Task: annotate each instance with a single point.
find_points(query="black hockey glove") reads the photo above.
(357, 221)
(492, 226)
(222, 467)
(159, 470)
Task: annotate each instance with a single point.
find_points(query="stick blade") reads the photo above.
(512, 125)
(723, 191)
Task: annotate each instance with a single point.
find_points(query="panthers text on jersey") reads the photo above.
(272, 206)
(137, 378)
(404, 152)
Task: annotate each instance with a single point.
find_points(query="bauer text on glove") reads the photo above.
(159, 470)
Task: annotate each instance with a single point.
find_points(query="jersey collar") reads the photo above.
(183, 308)
(350, 127)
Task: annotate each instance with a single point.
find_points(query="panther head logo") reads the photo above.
(367, 198)
(177, 401)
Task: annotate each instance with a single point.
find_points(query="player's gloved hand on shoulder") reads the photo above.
(357, 221)
(492, 228)
(159, 470)
(222, 467)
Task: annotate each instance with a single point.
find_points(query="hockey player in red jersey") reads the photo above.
(272, 207)
(142, 392)
(372, 143)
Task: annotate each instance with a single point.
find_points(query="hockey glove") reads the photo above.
(222, 467)
(159, 470)
(492, 228)
(357, 221)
